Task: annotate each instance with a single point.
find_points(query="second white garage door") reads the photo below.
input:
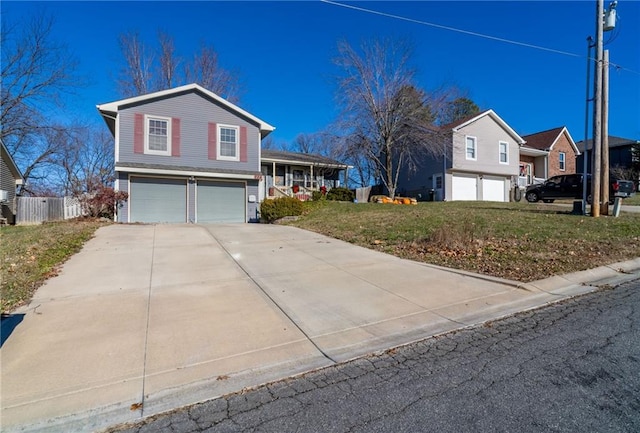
(493, 189)
(221, 202)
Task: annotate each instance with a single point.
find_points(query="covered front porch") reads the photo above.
(290, 174)
(533, 166)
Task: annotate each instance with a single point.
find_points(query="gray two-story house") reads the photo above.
(479, 161)
(186, 155)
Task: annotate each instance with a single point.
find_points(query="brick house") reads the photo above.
(546, 154)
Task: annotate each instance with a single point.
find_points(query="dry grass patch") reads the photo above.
(31, 254)
(519, 241)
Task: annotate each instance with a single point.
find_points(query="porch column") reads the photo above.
(312, 178)
(275, 183)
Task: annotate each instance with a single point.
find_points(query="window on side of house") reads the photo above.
(562, 159)
(228, 137)
(503, 147)
(438, 182)
(471, 148)
(157, 135)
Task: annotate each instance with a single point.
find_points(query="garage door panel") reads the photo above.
(221, 202)
(493, 189)
(464, 188)
(158, 200)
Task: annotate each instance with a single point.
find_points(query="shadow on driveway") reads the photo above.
(8, 323)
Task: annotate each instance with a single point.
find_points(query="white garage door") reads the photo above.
(155, 200)
(221, 202)
(493, 189)
(464, 187)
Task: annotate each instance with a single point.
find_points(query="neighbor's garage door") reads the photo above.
(493, 189)
(221, 202)
(464, 187)
(154, 200)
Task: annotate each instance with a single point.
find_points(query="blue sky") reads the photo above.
(283, 52)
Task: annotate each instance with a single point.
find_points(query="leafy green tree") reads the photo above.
(458, 109)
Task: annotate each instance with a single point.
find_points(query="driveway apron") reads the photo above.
(151, 317)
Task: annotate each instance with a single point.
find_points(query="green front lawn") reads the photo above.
(518, 241)
(31, 254)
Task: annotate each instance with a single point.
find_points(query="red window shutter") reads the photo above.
(213, 135)
(138, 133)
(243, 144)
(175, 137)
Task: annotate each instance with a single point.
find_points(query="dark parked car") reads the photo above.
(569, 186)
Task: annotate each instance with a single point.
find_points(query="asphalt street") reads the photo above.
(572, 366)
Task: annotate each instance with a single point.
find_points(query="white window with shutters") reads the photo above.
(157, 137)
(229, 143)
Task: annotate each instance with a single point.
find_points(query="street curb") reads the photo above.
(483, 277)
(613, 274)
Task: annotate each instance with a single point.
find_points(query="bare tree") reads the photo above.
(270, 143)
(89, 161)
(148, 70)
(135, 76)
(206, 71)
(319, 143)
(37, 72)
(43, 159)
(387, 117)
(168, 62)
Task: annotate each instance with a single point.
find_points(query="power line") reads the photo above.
(467, 32)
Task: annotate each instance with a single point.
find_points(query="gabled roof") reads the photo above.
(613, 142)
(545, 140)
(109, 111)
(301, 158)
(8, 159)
(461, 123)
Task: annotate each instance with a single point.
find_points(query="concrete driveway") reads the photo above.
(151, 317)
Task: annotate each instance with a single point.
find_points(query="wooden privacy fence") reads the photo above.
(35, 210)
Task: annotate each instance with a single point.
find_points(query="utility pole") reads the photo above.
(604, 187)
(585, 170)
(597, 116)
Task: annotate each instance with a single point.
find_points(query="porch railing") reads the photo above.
(523, 181)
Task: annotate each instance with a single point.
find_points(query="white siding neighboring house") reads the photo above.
(10, 178)
(482, 162)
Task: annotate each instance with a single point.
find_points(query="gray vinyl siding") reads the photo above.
(191, 201)
(420, 180)
(488, 134)
(8, 183)
(123, 185)
(252, 208)
(195, 113)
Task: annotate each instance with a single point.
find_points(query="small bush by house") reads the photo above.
(340, 194)
(273, 209)
(317, 196)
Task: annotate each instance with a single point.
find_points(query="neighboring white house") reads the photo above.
(479, 161)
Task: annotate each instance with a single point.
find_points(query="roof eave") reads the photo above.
(300, 162)
(13, 167)
(113, 107)
(530, 151)
(496, 118)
